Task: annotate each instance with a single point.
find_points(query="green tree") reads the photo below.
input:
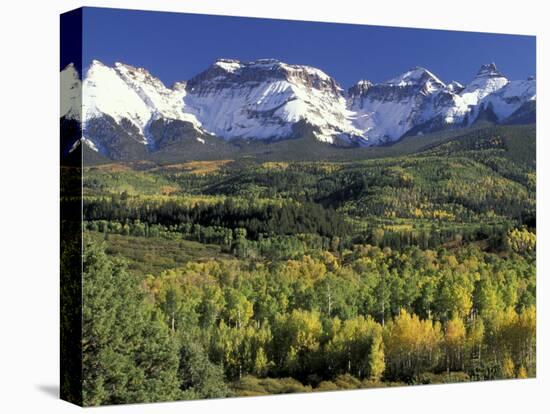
(200, 378)
(296, 339)
(351, 345)
(128, 352)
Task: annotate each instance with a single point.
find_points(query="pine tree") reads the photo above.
(128, 353)
(200, 378)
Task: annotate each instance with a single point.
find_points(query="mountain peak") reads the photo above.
(96, 62)
(70, 66)
(489, 70)
(487, 81)
(224, 72)
(228, 65)
(70, 72)
(96, 68)
(416, 76)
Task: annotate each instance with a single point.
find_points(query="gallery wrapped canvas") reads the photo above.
(255, 206)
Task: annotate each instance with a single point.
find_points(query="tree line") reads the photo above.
(257, 218)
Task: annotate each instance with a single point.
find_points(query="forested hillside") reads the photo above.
(260, 274)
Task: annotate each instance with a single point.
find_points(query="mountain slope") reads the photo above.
(487, 81)
(508, 99)
(386, 111)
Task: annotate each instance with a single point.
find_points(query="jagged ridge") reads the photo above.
(122, 107)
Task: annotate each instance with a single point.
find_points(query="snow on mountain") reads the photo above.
(419, 78)
(71, 93)
(508, 99)
(133, 94)
(84, 141)
(270, 99)
(455, 87)
(265, 99)
(385, 111)
(448, 107)
(418, 101)
(487, 81)
(106, 93)
(164, 102)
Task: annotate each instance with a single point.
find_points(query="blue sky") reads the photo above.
(175, 46)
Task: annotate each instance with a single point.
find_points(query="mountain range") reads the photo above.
(124, 112)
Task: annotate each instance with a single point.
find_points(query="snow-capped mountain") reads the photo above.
(265, 99)
(127, 93)
(127, 112)
(386, 111)
(487, 81)
(510, 98)
(417, 102)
